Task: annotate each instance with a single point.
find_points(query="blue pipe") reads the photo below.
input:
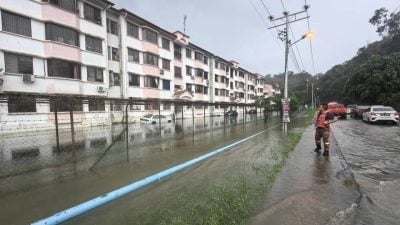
(93, 203)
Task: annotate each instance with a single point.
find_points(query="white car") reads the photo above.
(155, 119)
(380, 113)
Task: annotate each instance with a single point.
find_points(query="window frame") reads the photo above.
(132, 34)
(95, 19)
(55, 35)
(176, 69)
(17, 103)
(51, 67)
(164, 81)
(163, 65)
(152, 57)
(164, 45)
(109, 24)
(148, 83)
(93, 41)
(147, 35)
(134, 80)
(19, 62)
(19, 27)
(132, 50)
(96, 70)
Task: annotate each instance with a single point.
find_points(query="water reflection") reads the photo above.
(22, 153)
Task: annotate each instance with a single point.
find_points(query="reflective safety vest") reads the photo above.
(321, 120)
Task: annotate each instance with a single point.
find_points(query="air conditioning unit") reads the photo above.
(101, 89)
(161, 72)
(28, 78)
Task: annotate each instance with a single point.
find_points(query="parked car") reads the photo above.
(350, 108)
(154, 119)
(231, 113)
(337, 109)
(252, 111)
(380, 113)
(357, 112)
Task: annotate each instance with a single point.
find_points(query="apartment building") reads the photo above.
(89, 48)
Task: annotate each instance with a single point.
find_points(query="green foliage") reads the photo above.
(371, 77)
(377, 81)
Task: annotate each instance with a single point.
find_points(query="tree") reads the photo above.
(389, 24)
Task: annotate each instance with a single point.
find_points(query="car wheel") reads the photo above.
(154, 122)
(169, 121)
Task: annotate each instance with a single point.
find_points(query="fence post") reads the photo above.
(126, 128)
(159, 117)
(71, 118)
(56, 121)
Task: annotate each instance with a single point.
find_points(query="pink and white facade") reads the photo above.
(89, 48)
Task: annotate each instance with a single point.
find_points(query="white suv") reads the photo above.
(380, 113)
(154, 119)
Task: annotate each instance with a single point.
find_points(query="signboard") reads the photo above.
(285, 110)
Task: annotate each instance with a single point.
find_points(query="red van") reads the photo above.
(337, 109)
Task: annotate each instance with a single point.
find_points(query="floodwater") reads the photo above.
(373, 154)
(38, 179)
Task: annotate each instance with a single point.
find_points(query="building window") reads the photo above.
(113, 53)
(112, 27)
(16, 24)
(166, 64)
(17, 104)
(134, 80)
(133, 55)
(198, 89)
(216, 78)
(65, 4)
(199, 72)
(205, 75)
(18, 63)
(222, 66)
(188, 53)
(216, 65)
(205, 60)
(115, 79)
(92, 13)
(94, 44)
(166, 106)
(64, 105)
(198, 56)
(166, 85)
(132, 30)
(165, 44)
(206, 90)
(150, 59)
(94, 74)
(189, 87)
(178, 71)
(151, 82)
(136, 107)
(62, 34)
(188, 70)
(216, 92)
(150, 36)
(177, 52)
(62, 68)
(97, 105)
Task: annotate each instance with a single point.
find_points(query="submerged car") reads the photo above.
(231, 113)
(252, 111)
(380, 114)
(154, 119)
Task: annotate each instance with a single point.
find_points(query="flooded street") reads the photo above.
(49, 180)
(373, 154)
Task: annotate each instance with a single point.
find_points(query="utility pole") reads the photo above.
(284, 36)
(312, 95)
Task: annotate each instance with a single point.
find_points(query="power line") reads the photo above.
(293, 56)
(310, 41)
(276, 29)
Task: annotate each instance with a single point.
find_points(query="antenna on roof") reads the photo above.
(184, 24)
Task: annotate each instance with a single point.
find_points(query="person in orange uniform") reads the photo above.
(322, 119)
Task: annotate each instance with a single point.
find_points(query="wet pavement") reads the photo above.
(373, 153)
(311, 189)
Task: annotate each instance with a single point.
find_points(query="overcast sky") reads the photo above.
(234, 30)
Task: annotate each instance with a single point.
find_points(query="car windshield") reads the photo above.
(382, 109)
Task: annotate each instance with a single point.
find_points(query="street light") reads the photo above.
(285, 101)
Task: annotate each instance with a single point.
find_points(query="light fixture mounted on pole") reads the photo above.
(283, 35)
